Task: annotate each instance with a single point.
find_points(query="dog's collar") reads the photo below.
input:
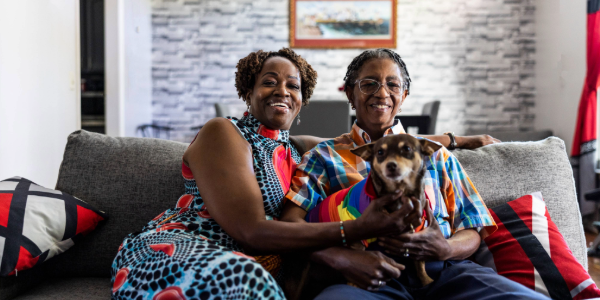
(369, 188)
(282, 136)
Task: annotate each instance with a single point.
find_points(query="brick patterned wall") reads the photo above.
(476, 56)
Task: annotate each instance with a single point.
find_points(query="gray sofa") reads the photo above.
(134, 179)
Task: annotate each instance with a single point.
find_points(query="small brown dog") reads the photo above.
(397, 164)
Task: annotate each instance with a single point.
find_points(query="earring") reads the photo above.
(247, 109)
(298, 119)
(399, 109)
(352, 105)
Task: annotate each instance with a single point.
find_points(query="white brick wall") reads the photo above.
(476, 56)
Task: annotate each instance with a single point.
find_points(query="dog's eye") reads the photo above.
(406, 149)
(380, 152)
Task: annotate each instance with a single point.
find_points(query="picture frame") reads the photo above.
(334, 24)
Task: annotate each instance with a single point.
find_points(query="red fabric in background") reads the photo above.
(585, 129)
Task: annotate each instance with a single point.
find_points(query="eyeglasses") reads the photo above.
(371, 86)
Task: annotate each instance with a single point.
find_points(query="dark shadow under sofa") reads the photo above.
(135, 179)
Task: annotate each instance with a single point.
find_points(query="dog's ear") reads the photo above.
(428, 147)
(364, 151)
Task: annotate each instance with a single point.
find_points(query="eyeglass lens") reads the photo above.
(370, 86)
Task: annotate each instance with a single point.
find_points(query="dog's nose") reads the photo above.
(391, 167)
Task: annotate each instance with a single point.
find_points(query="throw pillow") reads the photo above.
(529, 249)
(37, 223)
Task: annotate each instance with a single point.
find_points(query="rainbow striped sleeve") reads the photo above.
(347, 204)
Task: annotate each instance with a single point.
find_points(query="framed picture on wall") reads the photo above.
(343, 24)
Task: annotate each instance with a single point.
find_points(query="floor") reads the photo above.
(593, 262)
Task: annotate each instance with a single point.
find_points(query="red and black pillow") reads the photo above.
(529, 249)
(37, 223)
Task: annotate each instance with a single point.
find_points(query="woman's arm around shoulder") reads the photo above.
(306, 142)
(464, 142)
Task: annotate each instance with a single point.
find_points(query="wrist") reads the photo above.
(353, 230)
(460, 141)
(338, 261)
(447, 254)
(332, 257)
(453, 144)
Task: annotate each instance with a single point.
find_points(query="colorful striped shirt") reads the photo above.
(331, 167)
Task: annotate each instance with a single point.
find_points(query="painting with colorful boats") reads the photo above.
(342, 24)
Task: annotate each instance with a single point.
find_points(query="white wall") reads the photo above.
(475, 56)
(39, 86)
(560, 65)
(114, 46)
(128, 38)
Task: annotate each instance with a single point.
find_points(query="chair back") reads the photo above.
(154, 131)
(222, 110)
(431, 109)
(323, 118)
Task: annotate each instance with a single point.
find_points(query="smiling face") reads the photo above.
(276, 97)
(396, 160)
(375, 113)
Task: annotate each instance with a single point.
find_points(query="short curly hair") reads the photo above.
(360, 60)
(249, 66)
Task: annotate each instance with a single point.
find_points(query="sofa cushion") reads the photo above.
(37, 223)
(131, 179)
(12, 286)
(135, 179)
(528, 249)
(89, 288)
(507, 171)
(145, 174)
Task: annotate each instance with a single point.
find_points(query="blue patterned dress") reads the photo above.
(184, 254)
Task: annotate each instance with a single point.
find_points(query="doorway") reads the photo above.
(92, 65)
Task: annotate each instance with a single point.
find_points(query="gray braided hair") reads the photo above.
(360, 60)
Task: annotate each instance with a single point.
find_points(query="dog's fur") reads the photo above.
(397, 164)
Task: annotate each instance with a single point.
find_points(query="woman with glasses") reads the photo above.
(376, 84)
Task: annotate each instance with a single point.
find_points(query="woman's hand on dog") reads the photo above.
(366, 268)
(427, 244)
(378, 222)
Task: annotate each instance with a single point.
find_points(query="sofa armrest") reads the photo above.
(12, 286)
(506, 171)
(131, 179)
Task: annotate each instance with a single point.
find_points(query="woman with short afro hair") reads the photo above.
(251, 65)
(221, 241)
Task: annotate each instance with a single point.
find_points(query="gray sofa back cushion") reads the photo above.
(135, 179)
(131, 179)
(507, 171)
